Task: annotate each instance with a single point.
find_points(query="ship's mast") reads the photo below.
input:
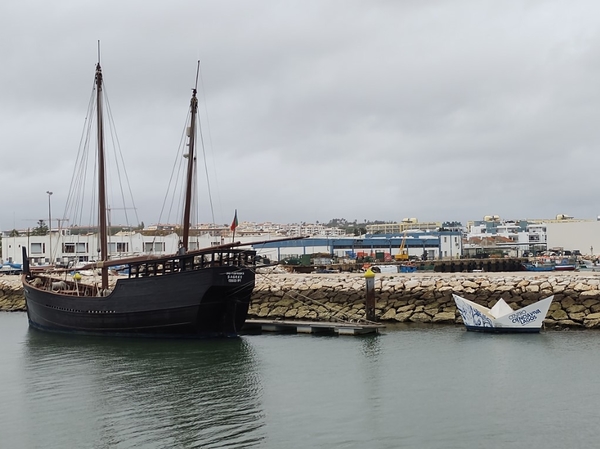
(101, 180)
(190, 167)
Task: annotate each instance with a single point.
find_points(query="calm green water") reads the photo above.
(409, 387)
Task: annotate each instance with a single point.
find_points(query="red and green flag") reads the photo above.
(234, 223)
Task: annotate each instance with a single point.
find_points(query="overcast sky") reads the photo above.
(439, 110)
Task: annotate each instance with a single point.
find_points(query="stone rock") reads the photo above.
(311, 315)
(405, 308)
(263, 312)
(403, 317)
(444, 317)
(291, 313)
(470, 284)
(591, 324)
(389, 315)
(567, 302)
(575, 308)
(578, 316)
(590, 293)
(302, 314)
(581, 287)
(409, 285)
(420, 317)
(431, 311)
(278, 312)
(569, 323)
(559, 315)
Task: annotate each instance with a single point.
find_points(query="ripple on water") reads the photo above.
(412, 386)
(144, 393)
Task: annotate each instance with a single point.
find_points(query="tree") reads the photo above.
(14, 233)
(41, 228)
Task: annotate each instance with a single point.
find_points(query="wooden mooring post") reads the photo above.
(370, 299)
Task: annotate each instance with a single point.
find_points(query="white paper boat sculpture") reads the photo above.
(501, 317)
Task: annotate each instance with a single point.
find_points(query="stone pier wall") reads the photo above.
(426, 298)
(409, 297)
(11, 294)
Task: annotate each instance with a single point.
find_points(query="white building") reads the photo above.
(575, 235)
(64, 249)
(563, 232)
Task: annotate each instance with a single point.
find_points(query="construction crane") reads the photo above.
(403, 253)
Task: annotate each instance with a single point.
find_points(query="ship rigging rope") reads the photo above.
(201, 136)
(174, 179)
(120, 167)
(81, 193)
(212, 209)
(176, 182)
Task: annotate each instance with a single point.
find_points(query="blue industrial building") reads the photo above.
(436, 244)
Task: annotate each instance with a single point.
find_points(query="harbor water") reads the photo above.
(409, 387)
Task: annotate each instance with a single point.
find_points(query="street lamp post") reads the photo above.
(49, 226)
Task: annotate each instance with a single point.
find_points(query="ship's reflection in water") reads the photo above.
(140, 393)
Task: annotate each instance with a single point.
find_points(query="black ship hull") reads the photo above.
(202, 302)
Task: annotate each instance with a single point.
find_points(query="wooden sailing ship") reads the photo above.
(205, 292)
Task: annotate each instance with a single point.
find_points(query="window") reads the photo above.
(37, 248)
(150, 247)
(69, 248)
(119, 247)
(81, 247)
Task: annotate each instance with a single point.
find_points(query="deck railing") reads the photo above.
(235, 258)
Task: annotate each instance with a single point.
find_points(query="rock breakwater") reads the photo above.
(403, 297)
(11, 294)
(426, 298)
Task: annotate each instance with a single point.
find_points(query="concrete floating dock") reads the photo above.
(311, 327)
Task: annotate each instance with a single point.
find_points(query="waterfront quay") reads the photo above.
(425, 297)
(403, 297)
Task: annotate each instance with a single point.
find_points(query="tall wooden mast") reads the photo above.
(190, 169)
(101, 179)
